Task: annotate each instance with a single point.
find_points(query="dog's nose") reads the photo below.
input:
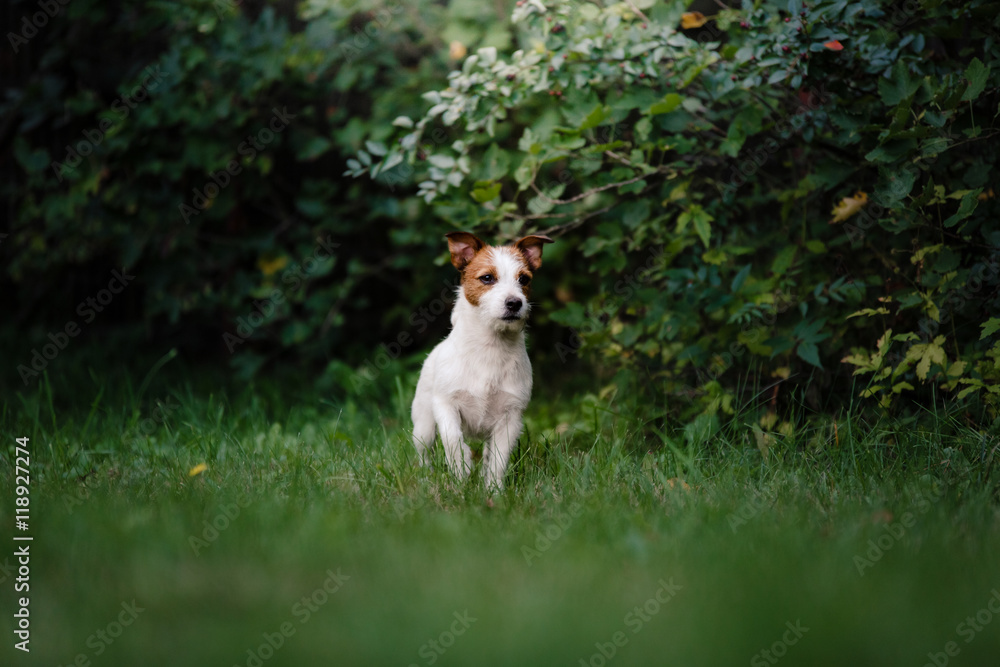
(514, 305)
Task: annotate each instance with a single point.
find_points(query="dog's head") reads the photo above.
(496, 280)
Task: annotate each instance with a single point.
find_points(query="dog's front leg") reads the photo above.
(456, 452)
(501, 445)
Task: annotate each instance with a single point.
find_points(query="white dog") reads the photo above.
(477, 381)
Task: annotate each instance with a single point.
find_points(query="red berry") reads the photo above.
(510, 77)
(805, 56)
(551, 68)
(799, 29)
(732, 78)
(744, 25)
(787, 19)
(786, 49)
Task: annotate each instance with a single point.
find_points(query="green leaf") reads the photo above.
(376, 147)
(977, 74)
(965, 209)
(784, 260)
(483, 195)
(809, 353)
(892, 150)
(595, 117)
(869, 312)
(670, 102)
(495, 163)
(990, 327)
(740, 279)
(700, 218)
(313, 148)
(898, 86)
(441, 161)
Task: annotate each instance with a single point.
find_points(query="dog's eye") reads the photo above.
(487, 279)
(524, 280)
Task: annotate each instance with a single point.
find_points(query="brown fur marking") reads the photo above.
(480, 264)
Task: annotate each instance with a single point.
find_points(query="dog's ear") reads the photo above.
(463, 247)
(531, 248)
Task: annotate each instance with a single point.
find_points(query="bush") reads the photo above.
(791, 195)
(200, 144)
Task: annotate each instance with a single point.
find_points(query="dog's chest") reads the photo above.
(490, 390)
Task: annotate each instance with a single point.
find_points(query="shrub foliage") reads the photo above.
(816, 180)
(781, 196)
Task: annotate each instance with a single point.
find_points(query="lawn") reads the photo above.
(312, 538)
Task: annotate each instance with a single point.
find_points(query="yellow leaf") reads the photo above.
(869, 312)
(198, 469)
(956, 369)
(848, 207)
(763, 441)
(693, 20)
(457, 50)
(677, 483)
(269, 266)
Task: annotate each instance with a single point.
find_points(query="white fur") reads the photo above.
(477, 382)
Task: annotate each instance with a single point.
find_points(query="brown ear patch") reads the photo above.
(482, 264)
(531, 248)
(463, 246)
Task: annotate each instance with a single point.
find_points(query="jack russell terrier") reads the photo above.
(477, 381)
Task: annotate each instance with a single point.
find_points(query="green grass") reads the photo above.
(594, 517)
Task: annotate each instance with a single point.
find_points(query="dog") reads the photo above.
(477, 382)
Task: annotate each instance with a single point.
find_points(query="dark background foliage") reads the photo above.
(702, 163)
